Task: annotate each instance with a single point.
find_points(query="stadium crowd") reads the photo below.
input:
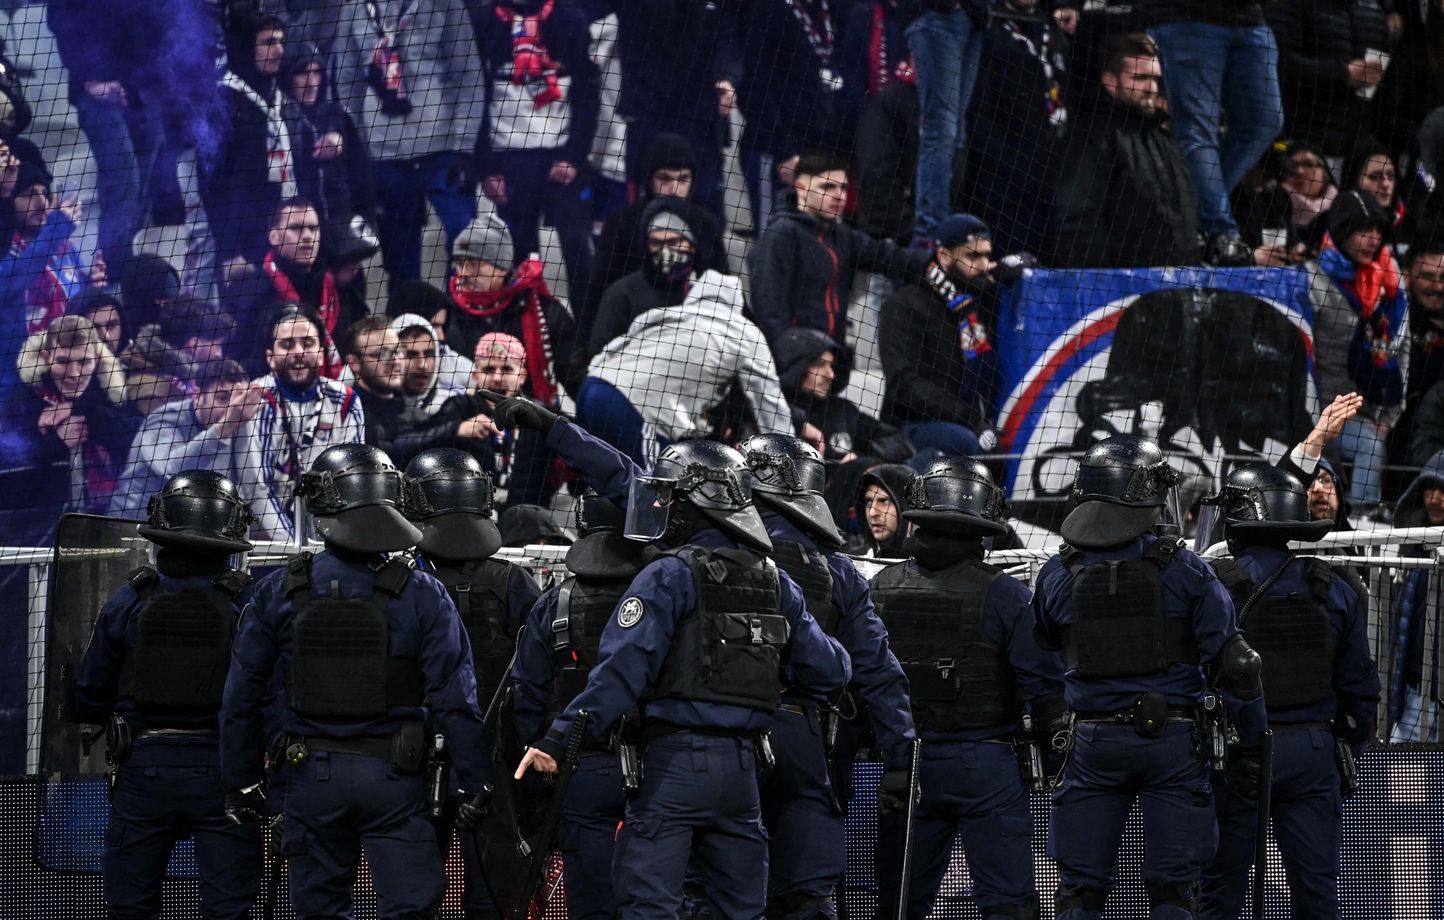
(934, 149)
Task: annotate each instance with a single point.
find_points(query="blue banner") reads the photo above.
(1212, 363)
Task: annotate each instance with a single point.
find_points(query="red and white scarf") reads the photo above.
(531, 62)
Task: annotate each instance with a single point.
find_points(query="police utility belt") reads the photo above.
(1150, 716)
(405, 749)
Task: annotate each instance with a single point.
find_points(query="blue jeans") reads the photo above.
(1109, 768)
(123, 140)
(1210, 69)
(1307, 818)
(946, 50)
(1359, 443)
(949, 438)
(605, 412)
(402, 189)
(970, 789)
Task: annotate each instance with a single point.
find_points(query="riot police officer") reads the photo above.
(366, 645)
(700, 640)
(1322, 686)
(1138, 618)
(155, 669)
(803, 812)
(557, 650)
(964, 633)
(449, 497)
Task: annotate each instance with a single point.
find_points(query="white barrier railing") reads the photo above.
(1383, 569)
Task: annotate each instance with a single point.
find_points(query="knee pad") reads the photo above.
(1079, 897)
(1023, 910)
(1180, 895)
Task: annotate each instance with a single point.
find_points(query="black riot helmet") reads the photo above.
(1121, 484)
(788, 477)
(449, 497)
(354, 490)
(1260, 503)
(692, 486)
(199, 511)
(595, 514)
(956, 495)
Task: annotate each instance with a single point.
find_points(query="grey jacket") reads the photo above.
(441, 73)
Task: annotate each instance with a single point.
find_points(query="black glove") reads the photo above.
(892, 792)
(520, 412)
(245, 806)
(473, 809)
(1245, 771)
(1011, 267)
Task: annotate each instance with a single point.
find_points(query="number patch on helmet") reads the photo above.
(630, 613)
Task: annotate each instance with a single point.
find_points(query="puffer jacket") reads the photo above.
(1125, 199)
(1317, 39)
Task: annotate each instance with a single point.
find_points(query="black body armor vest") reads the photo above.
(808, 568)
(584, 606)
(343, 669)
(479, 590)
(1290, 632)
(957, 679)
(730, 650)
(182, 644)
(1119, 627)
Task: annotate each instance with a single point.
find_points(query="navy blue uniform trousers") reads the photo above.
(338, 805)
(698, 806)
(1109, 767)
(594, 806)
(972, 788)
(803, 817)
(168, 790)
(1306, 814)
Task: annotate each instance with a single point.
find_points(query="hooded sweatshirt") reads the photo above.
(418, 409)
(894, 478)
(676, 363)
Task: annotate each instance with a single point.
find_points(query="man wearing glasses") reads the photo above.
(302, 415)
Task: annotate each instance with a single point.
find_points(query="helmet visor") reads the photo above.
(648, 502)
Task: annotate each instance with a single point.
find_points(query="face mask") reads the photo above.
(671, 264)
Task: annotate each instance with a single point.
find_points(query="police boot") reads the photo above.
(1023, 910)
(799, 905)
(1076, 902)
(1172, 900)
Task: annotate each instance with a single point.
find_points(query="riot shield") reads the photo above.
(92, 557)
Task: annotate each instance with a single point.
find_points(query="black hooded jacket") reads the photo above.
(845, 428)
(621, 249)
(642, 290)
(893, 477)
(343, 187)
(236, 186)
